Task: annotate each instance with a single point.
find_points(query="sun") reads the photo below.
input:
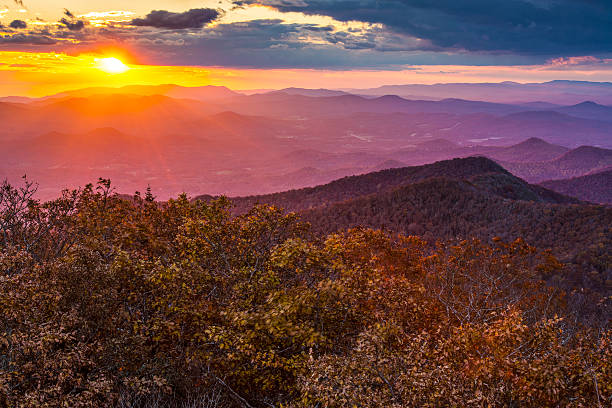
(112, 65)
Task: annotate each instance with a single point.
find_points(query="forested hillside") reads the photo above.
(461, 199)
(495, 179)
(450, 209)
(107, 302)
(596, 188)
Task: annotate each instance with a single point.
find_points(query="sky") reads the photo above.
(47, 46)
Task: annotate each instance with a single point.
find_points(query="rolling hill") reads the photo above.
(480, 171)
(531, 150)
(446, 208)
(298, 105)
(202, 93)
(458, 199)
(595, 188)
(153, 115)
(575, 163)
(588, 110)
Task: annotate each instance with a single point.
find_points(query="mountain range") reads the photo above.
(558, 92)
(218, 141)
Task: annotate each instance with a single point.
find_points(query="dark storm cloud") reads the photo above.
(194, 18)
(76, 25)
(391, 41)
(26, 39)
(17, 24)
(319, 28)
(273, 43)
(71, 23)
(542, 27)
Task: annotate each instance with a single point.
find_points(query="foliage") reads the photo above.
(449, 209)
(596, 188)
(106, 301)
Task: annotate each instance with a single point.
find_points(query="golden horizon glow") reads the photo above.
(42, 74)
(112, 65)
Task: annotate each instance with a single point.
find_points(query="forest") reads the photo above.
(460, 199)
(114, 302)
(596, 187)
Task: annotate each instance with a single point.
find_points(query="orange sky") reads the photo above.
(49, 46)
(40, 74)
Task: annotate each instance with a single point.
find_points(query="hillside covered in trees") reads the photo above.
(352, 187)
(109, 302)
(450, 209)
(596, 188)
(460, 199)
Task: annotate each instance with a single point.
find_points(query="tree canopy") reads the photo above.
(106, 302)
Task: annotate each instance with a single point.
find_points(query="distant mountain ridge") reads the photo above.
(479, 171)
(587, 110)
(215, 140)
(531, 150)
(595, 188)
(311, 92)
(574, 163)
(556, 92)
(203, 93)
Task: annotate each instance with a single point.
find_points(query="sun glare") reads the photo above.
(112, 65)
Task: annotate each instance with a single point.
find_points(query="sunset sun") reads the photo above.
(112, 65)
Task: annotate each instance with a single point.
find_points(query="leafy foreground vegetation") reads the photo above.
(110, 302)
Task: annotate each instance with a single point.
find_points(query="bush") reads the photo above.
(106, 301)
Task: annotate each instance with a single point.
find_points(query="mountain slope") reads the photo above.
(596, 188)
(311, 92)
(575, 163)
(202, 93)
(459, 199)
(153, 115)
(104, 146)
(444, 208)
(558, 127)
(531, 150)
(481, 172)
(588, 110)
(286, 105)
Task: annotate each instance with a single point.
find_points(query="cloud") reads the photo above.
(76, 25)
(26, 39)
(580, 63)
(356, 34)
(17, 24)
(194, 18)
(71, 23)
(537, 27)
(573, 61)
(101, 18)
(263, 43)
(272, 43)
